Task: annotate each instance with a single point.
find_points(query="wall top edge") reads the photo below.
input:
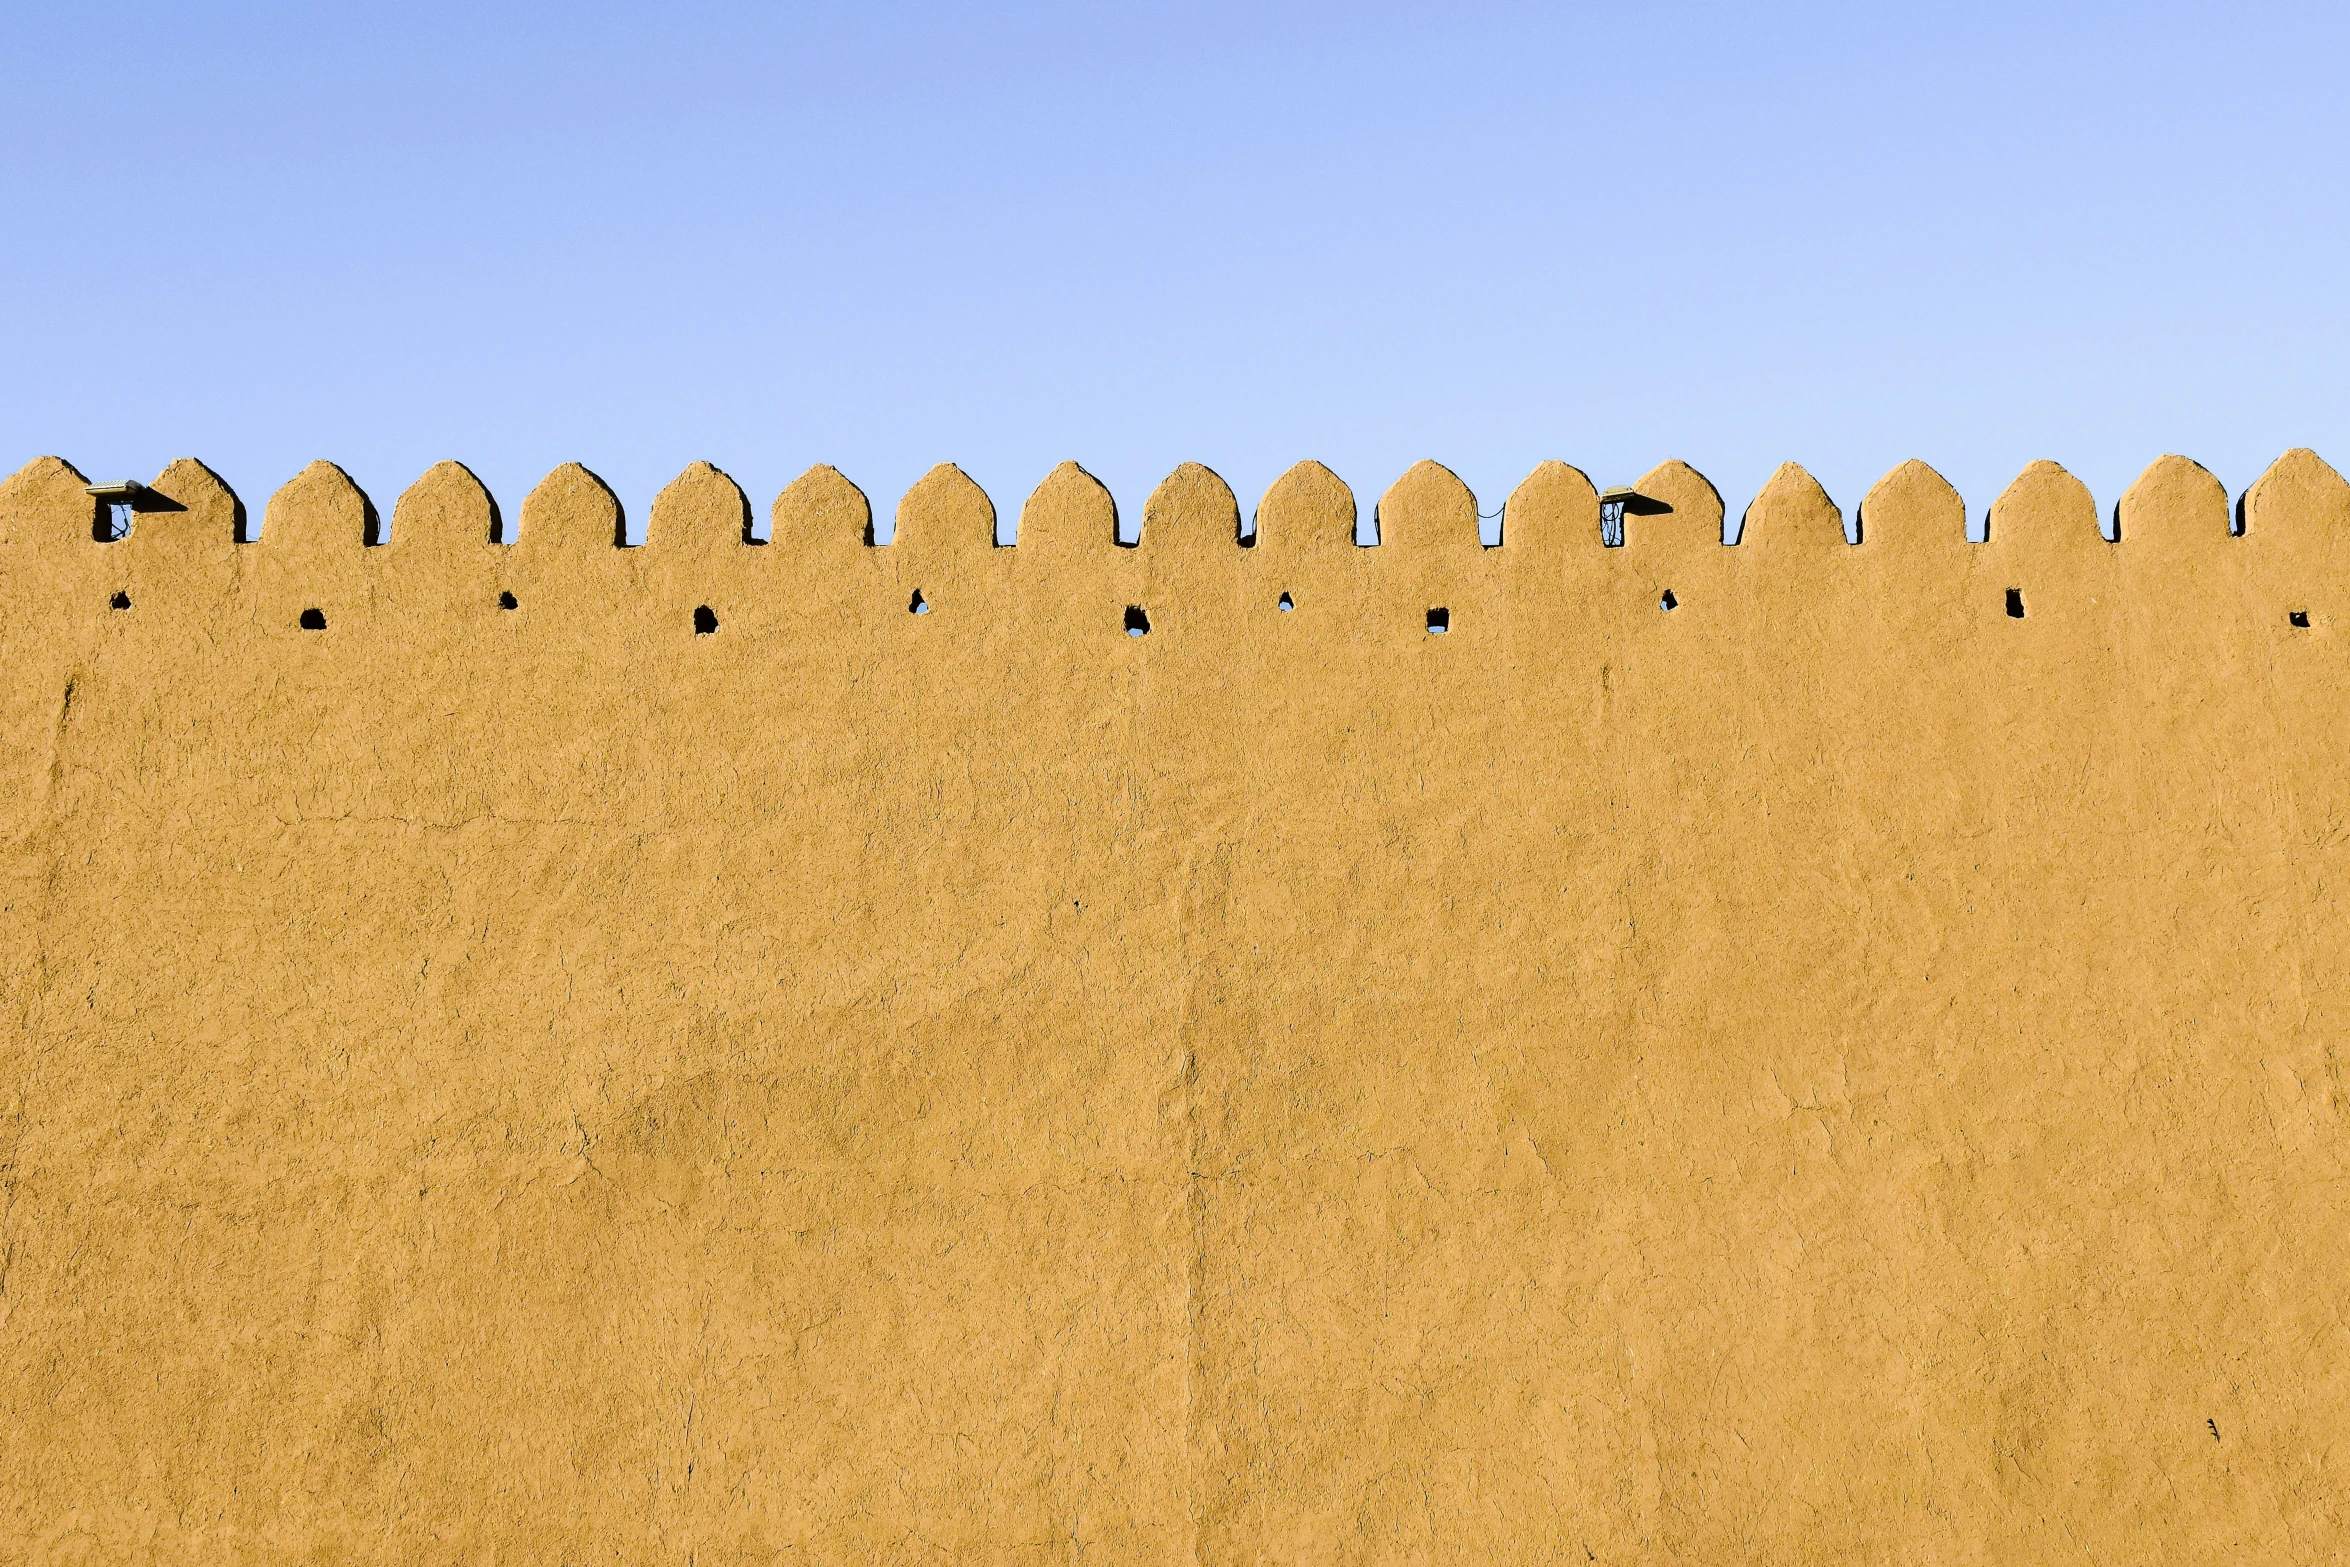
(49, 502)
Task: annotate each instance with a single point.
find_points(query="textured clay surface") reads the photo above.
(667, 1055)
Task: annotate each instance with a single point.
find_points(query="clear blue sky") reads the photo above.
(883, 236)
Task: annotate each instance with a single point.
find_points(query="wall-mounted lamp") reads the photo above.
(1615, 503)
(116, 502)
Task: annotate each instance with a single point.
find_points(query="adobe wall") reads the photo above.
(1829, 1072)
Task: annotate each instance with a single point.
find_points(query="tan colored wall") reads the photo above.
(1832, 1073)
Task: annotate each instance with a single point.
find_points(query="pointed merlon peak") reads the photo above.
(1070, 510)
(2176, 500)
(447, 505)
(320, 508)
(46, 502)
(2300, 496)
(45, 473)
(1309, 508)
(946, 510)
(214, 511)
(1553, 507)
(2045, 505)
(702, 508)
(820, 511)
(1675, 488)
(1792, 512)
(571, 509)
(1193, 511)
(1913, 505)
(1429, 508)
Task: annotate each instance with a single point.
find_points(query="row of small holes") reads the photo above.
(1138, 624)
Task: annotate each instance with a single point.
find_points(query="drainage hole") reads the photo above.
(508, 601)
(2015, 603)
(1439, 621)
(1668, 602)
(918, 605)
(705, 621)
(1138, 624)
(314, 620)
(1287, 603)
(2299, 617)
(123, 601)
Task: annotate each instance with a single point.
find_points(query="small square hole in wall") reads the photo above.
(1439, 621)
(314, 620)
(120, 601)
(705, 621)
(508, 601)
(1668, 602)
(918, 605)
(1287, 603)
(2015, 603)
(1138, 624)
(2300, 618)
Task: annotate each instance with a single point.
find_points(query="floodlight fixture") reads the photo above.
(1611, 514)
(1615, 504)
(120, 500)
